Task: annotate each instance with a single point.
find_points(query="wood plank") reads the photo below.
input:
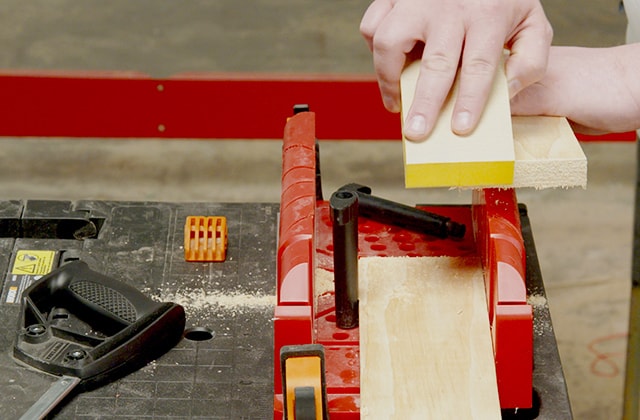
(425, 343)
(536, 151)
(548, 155)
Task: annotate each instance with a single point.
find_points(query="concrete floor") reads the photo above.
(583, 236)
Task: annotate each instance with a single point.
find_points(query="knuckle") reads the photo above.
(539, 20)
(366, 29)
(530, 69)
(384, 43)
(534, 75)
(425, 102)
(478, 66)
(537, 70)
(429, 102)
(471, 100)
(439, 63)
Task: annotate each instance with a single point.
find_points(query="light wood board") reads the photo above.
(548, 155)
(537, 151)
(425, 343)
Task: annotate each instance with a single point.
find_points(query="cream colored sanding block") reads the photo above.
(539, 152)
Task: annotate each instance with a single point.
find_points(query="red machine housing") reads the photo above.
(303, 316)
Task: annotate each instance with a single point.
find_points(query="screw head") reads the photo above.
(77, 354)
(36, 330)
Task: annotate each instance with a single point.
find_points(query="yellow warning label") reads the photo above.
(35, 263)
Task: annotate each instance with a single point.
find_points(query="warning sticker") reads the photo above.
(28, 266)
(35, 263)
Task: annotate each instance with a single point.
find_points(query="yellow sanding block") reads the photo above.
(539, 152)
(484, 157)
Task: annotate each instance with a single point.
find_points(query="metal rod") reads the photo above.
(344, 213)
(632, 371)
(51, 398)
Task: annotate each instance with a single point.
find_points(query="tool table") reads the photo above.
(226, 376)
(229, 375)
(224, 367)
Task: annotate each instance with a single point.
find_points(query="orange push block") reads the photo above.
(205, 238)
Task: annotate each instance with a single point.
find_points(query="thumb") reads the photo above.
(527, 61)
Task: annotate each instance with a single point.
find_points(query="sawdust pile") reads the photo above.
(323, 282)
(233, 303)
(537, 301)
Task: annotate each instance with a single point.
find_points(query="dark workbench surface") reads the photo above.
(228, 376)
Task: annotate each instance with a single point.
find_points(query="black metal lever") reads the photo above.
(411, 218)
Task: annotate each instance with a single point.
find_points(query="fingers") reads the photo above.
(529, 47)
(372, 18)
(438, 69)
(392, 42)
(475, 31)
(529, 101)
(482, 55)
(483, 47)
(393, 32)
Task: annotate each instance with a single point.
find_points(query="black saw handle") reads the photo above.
(81, 323)
(91, 295)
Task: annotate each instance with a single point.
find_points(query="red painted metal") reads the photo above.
(305, 317)
(208, 106)
(626, 136)
(195, 105)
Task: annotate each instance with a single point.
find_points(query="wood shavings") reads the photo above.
(231, 303)
(537, 301)
(323, 282)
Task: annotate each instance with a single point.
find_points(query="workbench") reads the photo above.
(229, 375)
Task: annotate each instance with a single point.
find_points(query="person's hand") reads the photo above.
(597, 89)
(470, 32)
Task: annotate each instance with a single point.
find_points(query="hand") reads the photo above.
(597, 89)
(472, 31)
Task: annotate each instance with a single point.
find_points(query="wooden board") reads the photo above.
(548, 155)
(425, 343)
(537, 151)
